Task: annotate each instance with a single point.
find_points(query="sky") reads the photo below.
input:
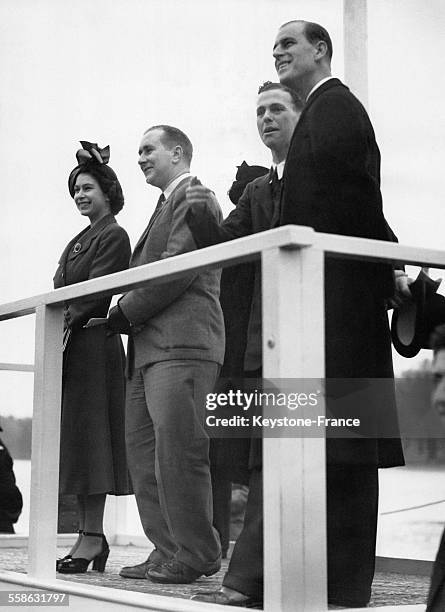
(105, 71)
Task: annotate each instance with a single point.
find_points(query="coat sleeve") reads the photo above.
(112, 255)
(139, 305)
(347, 162)
(207, 230)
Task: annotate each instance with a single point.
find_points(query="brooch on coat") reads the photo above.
(77, 247)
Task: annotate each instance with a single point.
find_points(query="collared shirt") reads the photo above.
(174, 183)
(317, 85)
(279, 168)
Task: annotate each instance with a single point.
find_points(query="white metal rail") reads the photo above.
(293, 343)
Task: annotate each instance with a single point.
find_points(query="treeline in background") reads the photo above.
(16, 435)
(422, 429)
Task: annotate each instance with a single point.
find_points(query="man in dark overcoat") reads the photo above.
(331, 182)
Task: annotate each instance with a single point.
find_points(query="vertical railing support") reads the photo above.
(45, 442)
(294, 467)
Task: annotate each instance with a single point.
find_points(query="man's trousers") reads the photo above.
(168, 457)
(352, 501)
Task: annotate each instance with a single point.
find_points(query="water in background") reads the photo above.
(405, 530)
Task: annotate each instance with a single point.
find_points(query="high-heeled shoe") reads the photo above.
(79, 565)
(70, 554)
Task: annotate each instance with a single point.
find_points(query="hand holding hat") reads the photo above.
(413, 323)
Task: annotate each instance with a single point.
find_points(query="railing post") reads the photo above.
(45, 442)
(294, 467)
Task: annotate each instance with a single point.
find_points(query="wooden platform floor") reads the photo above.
(388, 588)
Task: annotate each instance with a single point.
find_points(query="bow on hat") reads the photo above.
(91, 155)
(244, 175)
(91, 152)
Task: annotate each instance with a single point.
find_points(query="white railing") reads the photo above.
(293, 347)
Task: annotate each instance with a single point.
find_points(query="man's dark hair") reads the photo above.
(314, 32)
(437, 338)
(268, 85)
(173, 137)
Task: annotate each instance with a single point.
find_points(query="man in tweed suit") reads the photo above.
(177, 340)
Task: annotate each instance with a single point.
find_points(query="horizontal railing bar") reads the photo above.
(232, 252)
(377, 250)
(17, 367)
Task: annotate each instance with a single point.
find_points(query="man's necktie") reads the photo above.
(159, 204)
(129, 370)
(275, 188)
(156, 211)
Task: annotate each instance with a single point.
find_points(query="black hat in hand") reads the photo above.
(413, 323)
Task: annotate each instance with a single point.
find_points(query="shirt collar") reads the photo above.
(279, 168)
(174, 183)
(317, 85)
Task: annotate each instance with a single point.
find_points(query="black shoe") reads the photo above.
(175, 572)
(69, 555)
(138, 571)
(221, 598)
(79, 565)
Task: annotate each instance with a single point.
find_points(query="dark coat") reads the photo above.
(252, 214)
(92, 447)
(241, 297)
(241, 304)
(331, 182)
(11, 501)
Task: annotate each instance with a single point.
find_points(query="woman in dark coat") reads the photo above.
(92, 447)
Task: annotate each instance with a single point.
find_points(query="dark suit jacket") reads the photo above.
(181, 319)
(241, 304)
(252, 214)
(332, 172)
(331, 182)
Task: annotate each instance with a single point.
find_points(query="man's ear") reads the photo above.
(321, 50)
(177, 154)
